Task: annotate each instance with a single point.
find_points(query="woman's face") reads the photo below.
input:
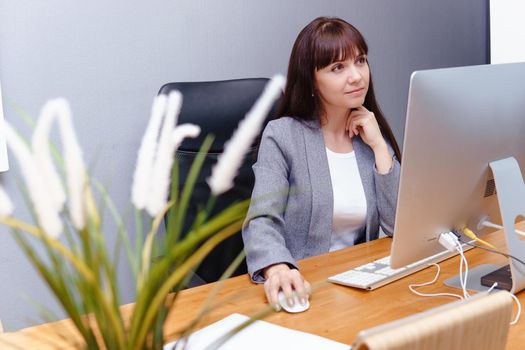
(342, 85)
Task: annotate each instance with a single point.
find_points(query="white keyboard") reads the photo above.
(378, 273)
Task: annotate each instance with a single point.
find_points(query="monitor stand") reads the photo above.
(511, 198)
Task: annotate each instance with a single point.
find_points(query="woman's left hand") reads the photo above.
(363, 122)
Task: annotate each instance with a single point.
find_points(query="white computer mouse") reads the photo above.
(297, 305)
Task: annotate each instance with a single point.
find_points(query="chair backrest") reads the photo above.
(479, 323)
(217, 107)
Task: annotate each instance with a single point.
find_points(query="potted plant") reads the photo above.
(77, 264)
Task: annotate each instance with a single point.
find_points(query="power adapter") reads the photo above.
(449, 240)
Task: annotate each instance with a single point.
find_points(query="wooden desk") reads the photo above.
(336, 312)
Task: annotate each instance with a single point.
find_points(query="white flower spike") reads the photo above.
(48, 218)
(74, 162)
(42, 154)
(163, 163)
(75, 169)
(151, 180)
(159, 178)
(223, 173)
(146, 155)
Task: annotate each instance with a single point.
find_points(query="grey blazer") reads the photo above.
(291, 210)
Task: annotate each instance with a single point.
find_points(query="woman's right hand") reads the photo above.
(282, 277)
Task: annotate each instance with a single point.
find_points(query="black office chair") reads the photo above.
(217, 107)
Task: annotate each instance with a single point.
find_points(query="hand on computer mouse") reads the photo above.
(281, 277)
(297, 306)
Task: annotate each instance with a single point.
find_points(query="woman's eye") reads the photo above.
(337, 67)
(361, 60)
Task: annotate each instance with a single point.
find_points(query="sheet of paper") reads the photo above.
(260, 335)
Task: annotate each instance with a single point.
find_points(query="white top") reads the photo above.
(349, 199)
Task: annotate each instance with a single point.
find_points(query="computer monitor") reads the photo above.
(458, 121)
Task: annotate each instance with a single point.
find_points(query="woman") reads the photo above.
(328, 169)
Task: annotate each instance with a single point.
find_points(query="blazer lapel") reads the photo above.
(318, 240)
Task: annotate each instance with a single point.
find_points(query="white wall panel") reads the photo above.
(507, 31)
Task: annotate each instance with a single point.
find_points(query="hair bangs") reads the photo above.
(337, 43)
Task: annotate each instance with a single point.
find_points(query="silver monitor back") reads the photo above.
(458, 120)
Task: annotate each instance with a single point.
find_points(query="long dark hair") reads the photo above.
(323, 41)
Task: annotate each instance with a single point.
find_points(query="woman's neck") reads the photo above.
(336, 137)
(334, 121)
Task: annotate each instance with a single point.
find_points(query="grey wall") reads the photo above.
(110, 57)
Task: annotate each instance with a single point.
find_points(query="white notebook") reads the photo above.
(260, 335)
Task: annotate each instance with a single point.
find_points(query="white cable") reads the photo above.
(463, 276)
(447, 242)
(515, 299)
(518, 313)
(519, 310)
(461, 281)
(487, 223)
(492, 287)
(411, 287)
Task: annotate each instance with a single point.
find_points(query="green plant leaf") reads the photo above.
(156, 302)
(181, 207)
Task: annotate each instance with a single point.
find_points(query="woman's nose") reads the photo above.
(353, 74)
